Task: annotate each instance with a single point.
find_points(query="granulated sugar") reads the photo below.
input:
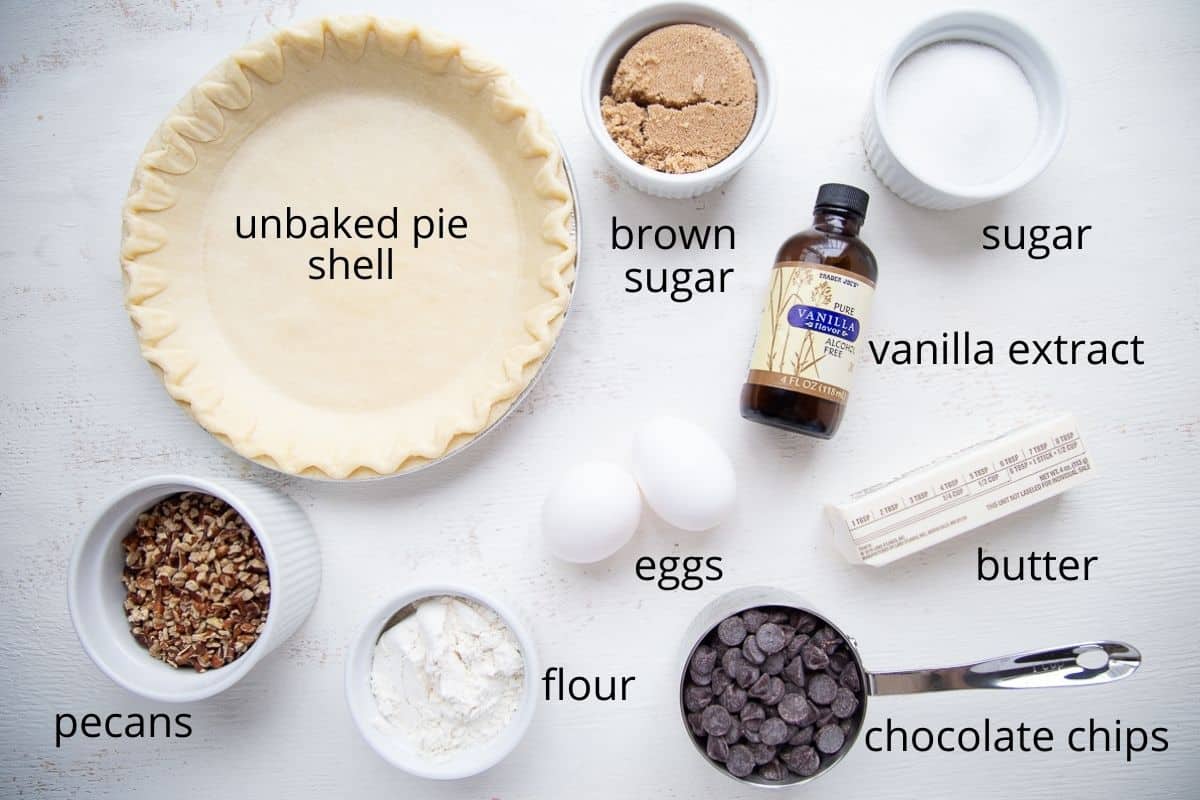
(961, 113)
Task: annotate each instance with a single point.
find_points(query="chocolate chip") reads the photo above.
(770, 638)
(740, 761)
(803, 761)
(779, 616)
(773, 770)
(719, 681)
(838, 660)
(697, 698)
(775, 691)
(845, 703)
(825, 716)
(808, 714)
(752, 652)
(693, 721)
(814, 657)
(733, 698)
(716, 720)
(753, 619)
(751, 736)
(774, 663)
(731, 661)
(830, 739)
(796, 645)
(760, 688)
(751, 712)
(747, 675)
(827, 638)
(851, 678)
(732, 631)
(735, 732)
(763, 753)
(704, 660)
(793, 708)
(698, 679)
(717, 748)
(803, 736)
(822, 689)
(775, 731)
(794, 671)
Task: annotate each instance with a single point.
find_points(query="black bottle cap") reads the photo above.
(843, 197)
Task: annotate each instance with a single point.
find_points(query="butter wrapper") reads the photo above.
(960, 492)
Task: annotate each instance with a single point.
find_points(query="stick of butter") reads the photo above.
(953, 495)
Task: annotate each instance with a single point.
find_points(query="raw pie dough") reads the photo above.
(349, 378)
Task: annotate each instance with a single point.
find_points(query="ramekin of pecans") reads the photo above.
(182, 585)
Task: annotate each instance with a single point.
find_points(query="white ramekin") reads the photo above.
(1040, 70)
(391, 745)
(597, 77)
(95, 593)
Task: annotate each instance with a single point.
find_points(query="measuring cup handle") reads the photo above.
(1074, 665)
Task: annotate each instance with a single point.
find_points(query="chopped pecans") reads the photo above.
(197, 589)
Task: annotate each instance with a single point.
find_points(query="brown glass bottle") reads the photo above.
(812, 321)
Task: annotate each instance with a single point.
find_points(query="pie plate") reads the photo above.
(350, 249)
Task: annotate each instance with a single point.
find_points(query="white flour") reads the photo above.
(961, 113)
(449, 676)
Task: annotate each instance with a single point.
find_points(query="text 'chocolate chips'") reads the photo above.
(773, 693)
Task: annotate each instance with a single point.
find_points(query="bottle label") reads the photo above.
(811, 326)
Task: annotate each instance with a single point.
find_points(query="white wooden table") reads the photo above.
(84, 83)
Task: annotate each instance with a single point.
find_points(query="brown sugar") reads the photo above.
(682, 99)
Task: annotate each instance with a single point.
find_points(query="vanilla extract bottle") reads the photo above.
(812, 323)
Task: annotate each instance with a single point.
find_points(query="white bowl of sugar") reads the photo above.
(967, 107)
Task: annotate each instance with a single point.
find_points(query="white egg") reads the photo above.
(685, 476)
(591, 513)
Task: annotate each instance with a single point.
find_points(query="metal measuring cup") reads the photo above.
(1085, 664)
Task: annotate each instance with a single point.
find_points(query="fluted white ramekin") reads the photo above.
(1040, 70)
(95, 593)
(597, 77)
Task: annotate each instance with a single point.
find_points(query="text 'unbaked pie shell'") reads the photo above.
(348, 378)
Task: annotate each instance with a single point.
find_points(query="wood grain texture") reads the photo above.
(82, 84)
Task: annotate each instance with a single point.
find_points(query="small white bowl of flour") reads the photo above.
(440, 681)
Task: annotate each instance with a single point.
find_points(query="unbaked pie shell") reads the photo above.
(349, 378)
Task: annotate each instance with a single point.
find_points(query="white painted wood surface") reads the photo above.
(83, 84)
